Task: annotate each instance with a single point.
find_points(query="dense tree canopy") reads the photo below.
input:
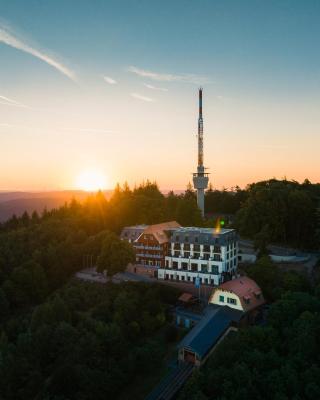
(115, 255)
(39, 253)
(225, 201)
(86, 341)
(281, 211)
(279, 360)
(62, 340)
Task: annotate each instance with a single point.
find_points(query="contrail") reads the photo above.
(12, 41)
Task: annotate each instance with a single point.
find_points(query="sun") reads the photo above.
(91, 181)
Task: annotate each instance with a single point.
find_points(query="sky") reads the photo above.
(109, 89)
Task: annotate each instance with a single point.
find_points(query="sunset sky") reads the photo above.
(111, 87)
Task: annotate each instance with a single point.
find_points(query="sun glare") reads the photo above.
(91, 181)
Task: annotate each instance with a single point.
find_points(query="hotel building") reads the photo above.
(203, 253)
(151, 244)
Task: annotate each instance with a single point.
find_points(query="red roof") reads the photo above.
(158, 230)
(247, 290)
(186, 297)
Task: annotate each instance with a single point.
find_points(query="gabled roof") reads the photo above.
(247, 290)
(159, 230)
(206, 333)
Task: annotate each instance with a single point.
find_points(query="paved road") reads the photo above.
(91, 275)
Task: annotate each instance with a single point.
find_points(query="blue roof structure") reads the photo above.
(182, 312)
(209, 329)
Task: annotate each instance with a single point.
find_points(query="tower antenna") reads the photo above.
(200, 178)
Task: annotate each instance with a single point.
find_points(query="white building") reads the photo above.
(201, 253)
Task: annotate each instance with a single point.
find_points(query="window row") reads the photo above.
(213, 269)
(205, 281)
(229, 300)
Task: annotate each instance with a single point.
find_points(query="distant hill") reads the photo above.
(18, 202)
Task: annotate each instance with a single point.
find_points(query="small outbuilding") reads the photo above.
(241, 294)
(200, 342)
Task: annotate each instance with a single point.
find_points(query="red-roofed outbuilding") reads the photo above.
(241, 294)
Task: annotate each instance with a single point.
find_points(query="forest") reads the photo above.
(278, 360)
(62, 339)
(273, 211)
(86, 341)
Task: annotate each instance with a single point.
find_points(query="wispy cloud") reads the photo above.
(155, 87)
(156, 76)
(12, 40)
(110, 80)
(141, 97)
(10, 102)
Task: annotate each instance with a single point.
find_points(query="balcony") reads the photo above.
(149, 255)
(141, 246)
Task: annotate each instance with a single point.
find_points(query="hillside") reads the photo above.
(18, 202)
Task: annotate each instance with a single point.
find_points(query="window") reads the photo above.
(177, 238)
(221, 299)
(206, 248)
(196, 255)
(196, 239)
(194, 267)
(186, 247)
(175, 264)
(196, 247)
(184, 266)
(186, 239)
(204, 268)
(231, 301)
(215, 270)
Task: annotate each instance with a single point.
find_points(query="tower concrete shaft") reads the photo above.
(200, 178)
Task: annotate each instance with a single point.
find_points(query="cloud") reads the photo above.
(141, 97)
(156, 76)
(12, 40)
(9, 102)
(109, 80)
(155, 87)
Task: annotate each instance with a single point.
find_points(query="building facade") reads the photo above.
(241, 294)
(151, 246)
(201, 254)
